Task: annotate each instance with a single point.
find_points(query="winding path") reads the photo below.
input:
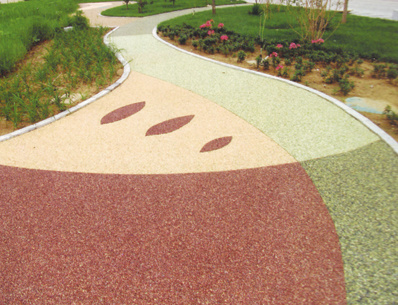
(197, 183)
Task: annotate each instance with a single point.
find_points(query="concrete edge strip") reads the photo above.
(365, 121)
(126, 72)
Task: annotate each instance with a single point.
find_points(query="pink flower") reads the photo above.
(206, 25)
(273, 54)
(279, 46)
(211, 32)
(320, 40)
(224, 37)
(220, 25)
(298, 45)
(293, 46)
(279, 67)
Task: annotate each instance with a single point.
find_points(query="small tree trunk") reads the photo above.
(213, 6)
(344, 19)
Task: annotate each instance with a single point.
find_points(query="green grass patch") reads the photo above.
(368, 37)
(161, 6)
(89, 1)
(24, 24)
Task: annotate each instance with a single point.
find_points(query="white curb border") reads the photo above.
(126, 72)
(365, 121)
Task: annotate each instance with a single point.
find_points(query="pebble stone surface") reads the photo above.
(291, 201)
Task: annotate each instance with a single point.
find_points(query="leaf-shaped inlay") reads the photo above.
(169, 125)
(122, 113)
(216, 144)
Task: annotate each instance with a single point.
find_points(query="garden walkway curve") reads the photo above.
(194, 182)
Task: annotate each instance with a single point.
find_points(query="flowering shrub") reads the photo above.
(224, 37)
(319, 41)
(273, 54)
(279, 46)
(294, 46)
(208, 24)
(220, 25)
(279, 69)
(210, 32)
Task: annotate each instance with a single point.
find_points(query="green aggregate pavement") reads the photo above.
(360, 189)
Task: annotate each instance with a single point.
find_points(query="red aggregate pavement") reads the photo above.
(255, 236)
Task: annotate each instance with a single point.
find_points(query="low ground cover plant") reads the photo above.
(153, 7)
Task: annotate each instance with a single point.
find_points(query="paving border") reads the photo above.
(365, 121)
(126, 73)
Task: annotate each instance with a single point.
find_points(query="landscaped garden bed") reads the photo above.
(329, 66)
(61, 68)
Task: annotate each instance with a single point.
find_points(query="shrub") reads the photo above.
(265, 63)
(392, 72)
(241, 56)
(79, 21)
(379, 70)
(255, 10)
(391, 115)
(308, 66)
(356, 70)
(258, 61)
(182, 39)
(345, 85)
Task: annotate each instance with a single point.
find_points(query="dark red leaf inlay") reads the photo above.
(122, 113)
(169, 125)
(216, 144)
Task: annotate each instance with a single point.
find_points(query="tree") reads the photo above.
(141, 4)
(344, 19)
(314, 17)
(213, 6)
(127, 3)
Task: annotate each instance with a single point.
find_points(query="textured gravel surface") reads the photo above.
(277, 109)
(210, 238)
(275, 231)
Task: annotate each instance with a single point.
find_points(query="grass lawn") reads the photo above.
(24, 24)
(161, 6)
(363, 35)
(89, 1)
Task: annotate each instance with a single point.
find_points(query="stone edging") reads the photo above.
(126, 72)
(365, 121)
